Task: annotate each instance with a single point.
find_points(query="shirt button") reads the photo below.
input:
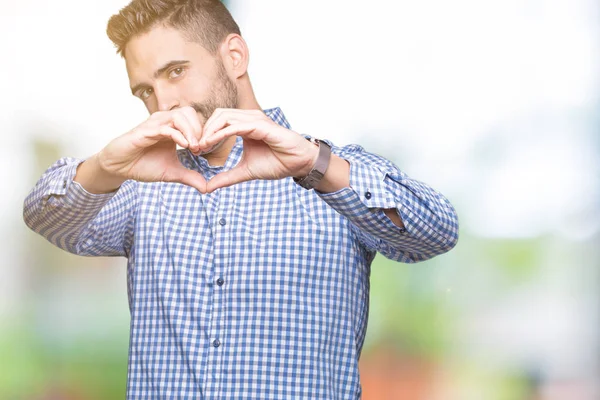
(402, 230)
(216, 343)
(368, 195)
(64, 184)
(220, 281)
(222, 222)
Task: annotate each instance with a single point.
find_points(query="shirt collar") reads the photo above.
(277, 116)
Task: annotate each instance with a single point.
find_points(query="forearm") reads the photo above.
(402, 218)
(337, 176)
(95, 179)
(73, 219)
(55, 208)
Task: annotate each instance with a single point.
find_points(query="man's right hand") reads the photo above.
(147, 153)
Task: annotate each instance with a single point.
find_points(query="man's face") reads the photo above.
(166, 72)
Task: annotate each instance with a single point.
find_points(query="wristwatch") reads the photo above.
(318, 172)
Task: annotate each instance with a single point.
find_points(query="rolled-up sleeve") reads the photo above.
(430, 221)
(62, 211)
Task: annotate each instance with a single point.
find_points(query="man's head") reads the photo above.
(206, 22)
(181, 53)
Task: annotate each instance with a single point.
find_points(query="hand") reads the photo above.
(148, 152)
(270, 150)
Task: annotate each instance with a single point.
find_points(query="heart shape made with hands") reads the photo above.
(271, 151)
(148, 153)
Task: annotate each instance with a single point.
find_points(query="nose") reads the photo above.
(166, 97)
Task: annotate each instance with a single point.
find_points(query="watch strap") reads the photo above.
(317, 173)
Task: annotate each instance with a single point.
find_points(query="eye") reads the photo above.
(144, 94)
(176, 72)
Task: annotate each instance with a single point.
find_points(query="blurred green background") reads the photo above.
(493, 103)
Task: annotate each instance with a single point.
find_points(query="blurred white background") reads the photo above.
(494, 103)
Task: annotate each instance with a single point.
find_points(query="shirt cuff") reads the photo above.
(70, 193)
(366, 198)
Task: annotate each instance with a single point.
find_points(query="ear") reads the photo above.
(234, 53)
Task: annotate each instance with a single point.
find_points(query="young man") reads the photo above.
(242, 281)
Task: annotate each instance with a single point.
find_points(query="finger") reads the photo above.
(152, 136)
(214, 116)
(206, 142)
(175, 135)
(188, 177)
(228, 178)
(192, 117)
(181, 123)
(223, 117)
(247, 129)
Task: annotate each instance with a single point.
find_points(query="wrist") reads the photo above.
(336, 177)
(318, 165)
(311, 159)
(95, 179)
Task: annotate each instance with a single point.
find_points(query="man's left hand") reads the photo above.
(270, 150)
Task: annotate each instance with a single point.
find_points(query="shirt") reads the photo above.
(255, 291)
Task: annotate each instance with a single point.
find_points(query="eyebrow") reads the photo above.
(158, 73)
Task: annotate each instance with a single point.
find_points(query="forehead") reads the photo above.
(147, 52)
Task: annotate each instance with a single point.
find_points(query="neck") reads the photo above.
(246, 98)
(218, 156)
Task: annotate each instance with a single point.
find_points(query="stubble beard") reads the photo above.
(223, 94)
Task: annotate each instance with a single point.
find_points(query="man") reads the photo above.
(249, 249)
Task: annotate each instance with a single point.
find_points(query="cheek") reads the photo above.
(151, 105)
(194, 89)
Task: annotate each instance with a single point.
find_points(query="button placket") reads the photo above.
(214, 329)
(222, 232)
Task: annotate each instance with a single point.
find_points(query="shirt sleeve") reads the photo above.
(430, 221)
(77, 221)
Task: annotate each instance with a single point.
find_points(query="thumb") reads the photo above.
(190, 178)
(228, 178)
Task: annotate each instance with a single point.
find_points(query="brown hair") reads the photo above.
(207, 22)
